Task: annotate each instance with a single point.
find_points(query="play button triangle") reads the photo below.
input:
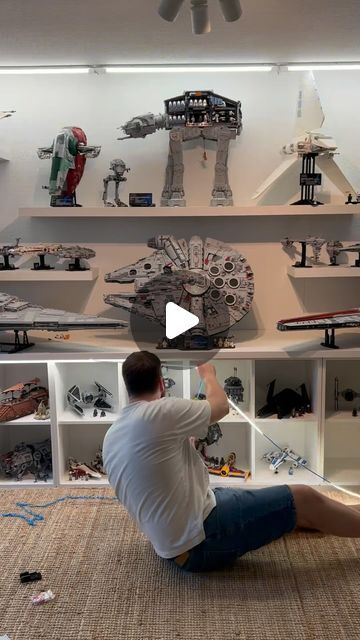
(178, 320)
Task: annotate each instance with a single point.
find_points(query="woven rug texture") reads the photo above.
(110, 585)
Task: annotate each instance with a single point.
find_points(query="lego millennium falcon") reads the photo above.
(194, 115)
(327, 321)
(68, 153)
(205, 277)
(309, 148)
(42, 249)
(21, 316)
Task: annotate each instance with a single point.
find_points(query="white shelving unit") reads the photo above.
(330, 442)
(51, 275)
(186, 212)
(323, 272)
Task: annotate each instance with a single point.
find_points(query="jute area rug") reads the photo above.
(109, 584)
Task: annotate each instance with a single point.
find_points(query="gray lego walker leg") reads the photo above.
(173, 192)
(221, 193)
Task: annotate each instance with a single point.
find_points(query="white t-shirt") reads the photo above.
(158, 475)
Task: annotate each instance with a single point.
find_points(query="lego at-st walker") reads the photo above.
(119, 168)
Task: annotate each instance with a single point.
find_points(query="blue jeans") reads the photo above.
(243, 520)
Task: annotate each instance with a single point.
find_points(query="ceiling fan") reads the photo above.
(170, 9)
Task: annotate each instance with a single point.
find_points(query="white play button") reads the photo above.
(178, 320)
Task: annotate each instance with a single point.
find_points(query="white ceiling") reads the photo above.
(122, 31)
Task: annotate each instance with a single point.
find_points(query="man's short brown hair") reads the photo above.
(141, 372)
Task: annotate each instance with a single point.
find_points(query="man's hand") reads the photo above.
(206, 371)
(215, 394)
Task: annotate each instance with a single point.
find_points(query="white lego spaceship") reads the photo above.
(311, 139)
(20, 315)
(208, 278)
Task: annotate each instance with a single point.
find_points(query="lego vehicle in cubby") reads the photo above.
(285, 455)
(217, 465)
(22, 399)
(24, 459)
(97, 399)
(82, 471)
(194, 115)
(286, 403)
(68, 154)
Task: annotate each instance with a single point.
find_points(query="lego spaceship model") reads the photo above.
(208, 278)
(327, 321)
(311, 148)
(79, 400)
(63, 252)
(194, 115)
(21, 316)
(22, 399)
(68, 154)
(286, 403)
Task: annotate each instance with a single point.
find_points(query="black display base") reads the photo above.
(41, 266)
(312, 203)
(298, 265)
(77, 266)
(18, 344)
(196, 343)
(329, 341)
(6, 265)
(64, 201)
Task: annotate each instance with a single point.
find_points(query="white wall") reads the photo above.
(99, 104)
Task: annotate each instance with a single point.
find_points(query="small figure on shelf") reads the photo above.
(119, 168)
(42, 412)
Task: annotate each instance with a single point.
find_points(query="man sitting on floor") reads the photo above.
(160, 478)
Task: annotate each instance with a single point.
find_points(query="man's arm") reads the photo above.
(215, 394)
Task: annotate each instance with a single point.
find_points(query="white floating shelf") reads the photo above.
(186, 212)
(323, 272)
(52, 275)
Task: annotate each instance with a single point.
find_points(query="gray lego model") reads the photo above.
(34, 458)
(310, 241)
(21, 316)
(205, 277)
(193, 115)
(42, 249)
(119, 168)
(79, 400)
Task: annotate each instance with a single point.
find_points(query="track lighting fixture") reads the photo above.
(170, 9)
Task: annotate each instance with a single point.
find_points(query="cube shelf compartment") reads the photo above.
(328, 439)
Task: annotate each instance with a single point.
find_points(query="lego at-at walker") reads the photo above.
(194, 115)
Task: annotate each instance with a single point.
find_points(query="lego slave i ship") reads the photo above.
(22, 399)
(21, 316)
(68, 154)
(194, 115)
(327, 321)
(207, 278)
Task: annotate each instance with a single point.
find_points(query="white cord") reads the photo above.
(255, 426)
